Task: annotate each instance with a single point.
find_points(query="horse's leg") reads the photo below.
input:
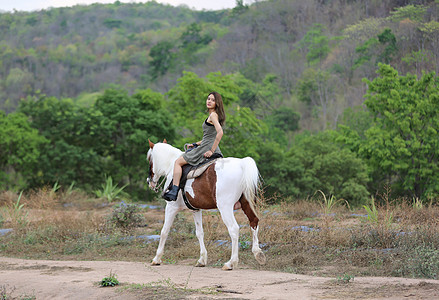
(198, 219)
(171, 211)
(253, 219)
(233, 228)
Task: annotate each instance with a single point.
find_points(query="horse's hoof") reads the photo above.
(153, 263)
(200, 264)
(260, 258)
(226, 268)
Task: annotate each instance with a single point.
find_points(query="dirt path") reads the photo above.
(78, 280)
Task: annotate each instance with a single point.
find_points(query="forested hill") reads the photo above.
(66, 52)
(340, 96)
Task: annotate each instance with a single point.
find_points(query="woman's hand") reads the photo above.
(208, 153)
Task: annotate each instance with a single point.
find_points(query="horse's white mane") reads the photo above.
(163, 155)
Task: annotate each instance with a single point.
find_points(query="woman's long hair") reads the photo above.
(219, 108)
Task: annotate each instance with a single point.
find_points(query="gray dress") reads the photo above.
(196, 156)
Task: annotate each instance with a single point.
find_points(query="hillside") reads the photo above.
(66, 52)
(335, 95)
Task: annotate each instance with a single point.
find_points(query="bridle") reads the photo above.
(150, 180)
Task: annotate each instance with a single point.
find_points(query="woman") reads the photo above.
(212, 134)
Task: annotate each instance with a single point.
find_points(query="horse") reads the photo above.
(224, 184)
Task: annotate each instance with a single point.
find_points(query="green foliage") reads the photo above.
(387, 39)
(191, 38)
(331, 168)
(127, 124)
(187, 101)
(314, 162)
(345, 278)
(19, 149)
(18, 214)
(316, 43)
(402, 142)
(242, 125)
(372, 212)
(108, 138)
(110, 191)
(423, 262)
(113, 23)
(375, 50)
(329, 203)
(110, 280)
(412, 12)
(417, 204)
(377, 218)
(72, 153)
(366, 52)
(162, 58)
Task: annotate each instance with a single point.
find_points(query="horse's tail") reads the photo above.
(250, 181)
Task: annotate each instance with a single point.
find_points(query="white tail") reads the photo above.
(250, 181)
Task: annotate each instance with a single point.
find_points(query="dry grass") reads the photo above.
(295, 236)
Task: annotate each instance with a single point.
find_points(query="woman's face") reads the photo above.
(210, 102)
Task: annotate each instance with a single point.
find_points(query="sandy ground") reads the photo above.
(79, 280)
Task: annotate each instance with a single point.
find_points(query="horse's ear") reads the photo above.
(165, 141)
(151, 144)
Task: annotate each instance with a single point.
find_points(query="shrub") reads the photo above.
(111, 191)
(423, 262)
(110, 280)
(126, 216)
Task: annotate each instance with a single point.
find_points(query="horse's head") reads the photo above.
(152, 182)
(161, 157)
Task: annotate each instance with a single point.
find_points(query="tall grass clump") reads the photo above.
(17, 213)
(330, 203)
(111, 191)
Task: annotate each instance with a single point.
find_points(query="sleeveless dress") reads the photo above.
(196, 156)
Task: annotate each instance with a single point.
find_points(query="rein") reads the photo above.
(157, 187)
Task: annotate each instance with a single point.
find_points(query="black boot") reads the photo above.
(171, 195)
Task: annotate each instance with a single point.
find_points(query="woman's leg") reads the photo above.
(179, 163)
(172, 194)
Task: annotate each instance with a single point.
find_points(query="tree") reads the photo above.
(127, 124)
(187, 99)
(316, 44)
(403, 143)
(162, 58)
(72, 151)
(315, 162)
(192, 41)
(317, 89)
(430, 31)
(20, 146)
(388, 40)
(240, 8)
(376, 50)
(331, 168)
(412, 12)
(242, 133)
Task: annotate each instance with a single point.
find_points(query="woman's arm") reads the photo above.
(192, 145)
(219, 134)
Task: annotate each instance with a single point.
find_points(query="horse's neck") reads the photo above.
(167, 156)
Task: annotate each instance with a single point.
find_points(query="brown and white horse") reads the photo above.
(224, 184)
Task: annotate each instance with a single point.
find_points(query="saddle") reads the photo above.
(190, 172)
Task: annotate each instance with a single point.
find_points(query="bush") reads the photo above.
(423, 262)
(126, 216)
(315, 162)
(111, 280)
